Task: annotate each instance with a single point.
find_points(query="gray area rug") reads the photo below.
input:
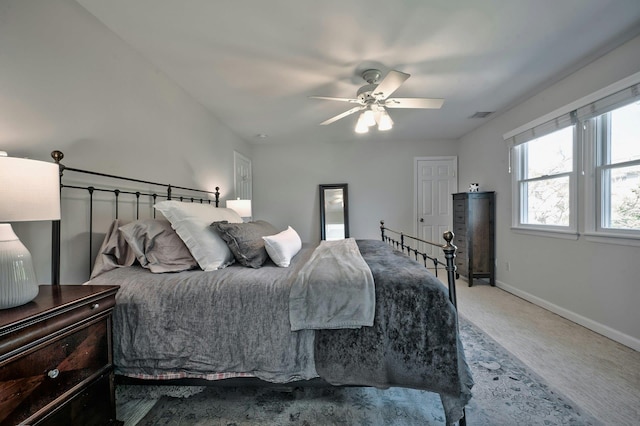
(505, 393)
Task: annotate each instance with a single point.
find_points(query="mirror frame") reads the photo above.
(345, 209)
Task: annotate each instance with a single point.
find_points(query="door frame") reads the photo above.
(454, 159)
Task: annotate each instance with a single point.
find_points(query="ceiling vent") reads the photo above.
(481, 114)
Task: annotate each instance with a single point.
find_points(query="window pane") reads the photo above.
(550, 154)
(624, 202)
(547, 202)
(625, 133)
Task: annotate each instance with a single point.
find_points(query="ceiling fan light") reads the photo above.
(385, 122)
(369, 118)
(361, 125)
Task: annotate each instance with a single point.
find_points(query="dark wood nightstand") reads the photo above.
(56, 358)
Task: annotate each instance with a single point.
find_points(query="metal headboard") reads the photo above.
(168, 194)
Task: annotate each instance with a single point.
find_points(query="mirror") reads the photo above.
(334, 212)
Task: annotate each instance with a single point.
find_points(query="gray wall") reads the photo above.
(595, 284)
(379, 174)
(68, 83)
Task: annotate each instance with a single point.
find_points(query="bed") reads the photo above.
(207, 298)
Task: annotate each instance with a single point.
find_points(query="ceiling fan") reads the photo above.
(373, 100)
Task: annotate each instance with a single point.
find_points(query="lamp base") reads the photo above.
(18, 283)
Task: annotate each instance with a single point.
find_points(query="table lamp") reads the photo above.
(29, 191)
(242, 207)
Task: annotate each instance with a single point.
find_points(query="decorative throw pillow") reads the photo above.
(191, 222)
(157, 246)
(283, 246)
(114, 251)
(245, 240)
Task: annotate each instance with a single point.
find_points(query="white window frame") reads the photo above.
(586, 203)
(520, 201)
(596, 135)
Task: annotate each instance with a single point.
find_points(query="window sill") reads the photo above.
(565, 235)
(610, 238)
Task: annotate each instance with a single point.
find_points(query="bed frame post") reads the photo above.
(449, 255)
(55, 252)
(55, 228)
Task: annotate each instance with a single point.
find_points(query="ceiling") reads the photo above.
(254, 63)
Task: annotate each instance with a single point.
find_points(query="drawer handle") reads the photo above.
(53, 373)
(95, 306)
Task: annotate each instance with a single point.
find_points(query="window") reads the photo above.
(592, 144)
(545, 181)
(618, 169)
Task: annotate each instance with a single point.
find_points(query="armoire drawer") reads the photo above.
(459, 229)
(459, 206)
(460, 241)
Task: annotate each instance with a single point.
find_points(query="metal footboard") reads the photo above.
(400, 243)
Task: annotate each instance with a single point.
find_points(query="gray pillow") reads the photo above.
(114, 251)
(245, 240)
(157, 246)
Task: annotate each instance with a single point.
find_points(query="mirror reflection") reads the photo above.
(334, 217)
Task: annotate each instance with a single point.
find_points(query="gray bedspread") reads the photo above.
(233, 320)
(413, 342)
(237, 320)
(334, 289)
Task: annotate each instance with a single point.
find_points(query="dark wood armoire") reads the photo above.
(474, 229)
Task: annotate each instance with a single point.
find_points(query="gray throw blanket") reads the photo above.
(334, 289)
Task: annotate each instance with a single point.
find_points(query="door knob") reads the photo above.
(421, 219)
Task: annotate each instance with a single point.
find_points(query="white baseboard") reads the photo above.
(609, 332)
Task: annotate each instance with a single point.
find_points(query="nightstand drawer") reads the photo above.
(30, 331)
(91, 407)
(47, 374)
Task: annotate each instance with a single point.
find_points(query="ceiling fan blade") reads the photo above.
(389, 84)
(343, 115)
(329, 98)
(425, 103)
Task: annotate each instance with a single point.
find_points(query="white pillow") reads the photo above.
(283, 246)
(191, 222)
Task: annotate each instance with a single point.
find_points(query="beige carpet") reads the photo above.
(600, 375)
(505, 393)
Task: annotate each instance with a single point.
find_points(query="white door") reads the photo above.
(436, 180)
(242, 177)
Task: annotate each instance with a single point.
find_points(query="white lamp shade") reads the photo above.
(385, 122)
(29, 190)
(369, 118)
(242, 207)
(361, 124)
